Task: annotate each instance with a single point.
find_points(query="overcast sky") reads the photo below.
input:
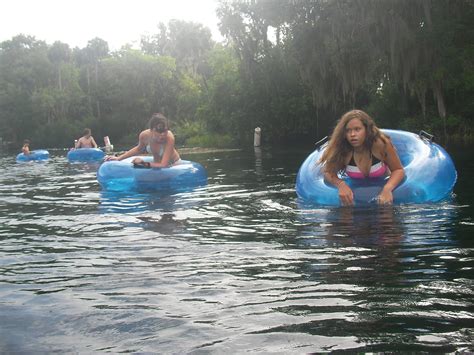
(116, 21)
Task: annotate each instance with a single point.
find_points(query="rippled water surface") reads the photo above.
(238, 265)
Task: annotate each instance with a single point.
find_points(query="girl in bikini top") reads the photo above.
(377, 168)
(161, 152)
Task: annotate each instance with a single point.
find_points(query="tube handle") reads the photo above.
(426, 135)
(321, 142)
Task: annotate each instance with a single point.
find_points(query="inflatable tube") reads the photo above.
(35, 155)
(85, 154)
(123, 176)
(430, 175)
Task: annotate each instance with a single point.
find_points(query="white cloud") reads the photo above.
(116, 21)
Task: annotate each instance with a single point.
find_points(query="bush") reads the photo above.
(55, 135)
(187, 130)
(211, 140)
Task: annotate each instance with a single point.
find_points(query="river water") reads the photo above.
(238, 265)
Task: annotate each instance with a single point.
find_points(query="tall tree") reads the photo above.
(24, 67)
(96, 50)
(187, 42)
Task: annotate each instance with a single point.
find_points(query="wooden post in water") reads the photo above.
(108, 147)
(257, 137)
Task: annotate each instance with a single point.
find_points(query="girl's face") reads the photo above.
(355, 133)
(159, 133)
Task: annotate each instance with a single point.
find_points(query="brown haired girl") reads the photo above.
(358, 148)
(157, 140)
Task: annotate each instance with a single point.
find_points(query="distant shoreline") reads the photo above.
(198, 150)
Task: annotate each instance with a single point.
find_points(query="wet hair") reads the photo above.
(158, 119)
(26, 141)
(86, 131)
(338, 147)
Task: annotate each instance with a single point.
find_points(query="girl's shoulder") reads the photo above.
(383, 147)
(145, 133)
(381, 142)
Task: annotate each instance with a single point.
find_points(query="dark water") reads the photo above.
(236, 266)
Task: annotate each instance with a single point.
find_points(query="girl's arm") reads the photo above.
(346, 196)
(139, 148)
(396, 173)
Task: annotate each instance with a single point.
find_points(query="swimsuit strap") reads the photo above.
(373, 159)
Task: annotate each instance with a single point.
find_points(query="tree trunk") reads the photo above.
(438, 92)
(96, 85)
(60, 84)
(98, 109)
(88, 75)
(421, 95)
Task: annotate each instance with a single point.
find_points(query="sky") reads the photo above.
(118, 22)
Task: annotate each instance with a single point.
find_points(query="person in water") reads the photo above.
(26, 147)
(358, 148)
(86, 141)
(157, 140)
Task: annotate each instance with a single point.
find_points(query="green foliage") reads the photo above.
(211, 140)
(133, 85)
(387, 106)
(289, 67)
(222, 99)
(187, 130)
(188, 96)
(59, 134)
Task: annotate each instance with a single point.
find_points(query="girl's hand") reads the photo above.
(140, 163)
(346, 196)
(110, 157)
(385, 198)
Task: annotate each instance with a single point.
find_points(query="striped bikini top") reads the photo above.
(377, 169)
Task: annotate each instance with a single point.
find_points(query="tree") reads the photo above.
(133, 86)
(90, 58)
(24, 67)
(187, 42)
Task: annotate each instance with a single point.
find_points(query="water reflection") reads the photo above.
(133, 202)
(396, 260)
(258, 161)
(358, 242)
(166, 224)
(236, 265)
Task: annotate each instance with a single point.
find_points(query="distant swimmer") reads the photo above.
(86, 141)
(26, 147)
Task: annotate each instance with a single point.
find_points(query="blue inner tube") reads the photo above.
(35, 155)
(430, 175)
(85, 154)
(123, 176)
